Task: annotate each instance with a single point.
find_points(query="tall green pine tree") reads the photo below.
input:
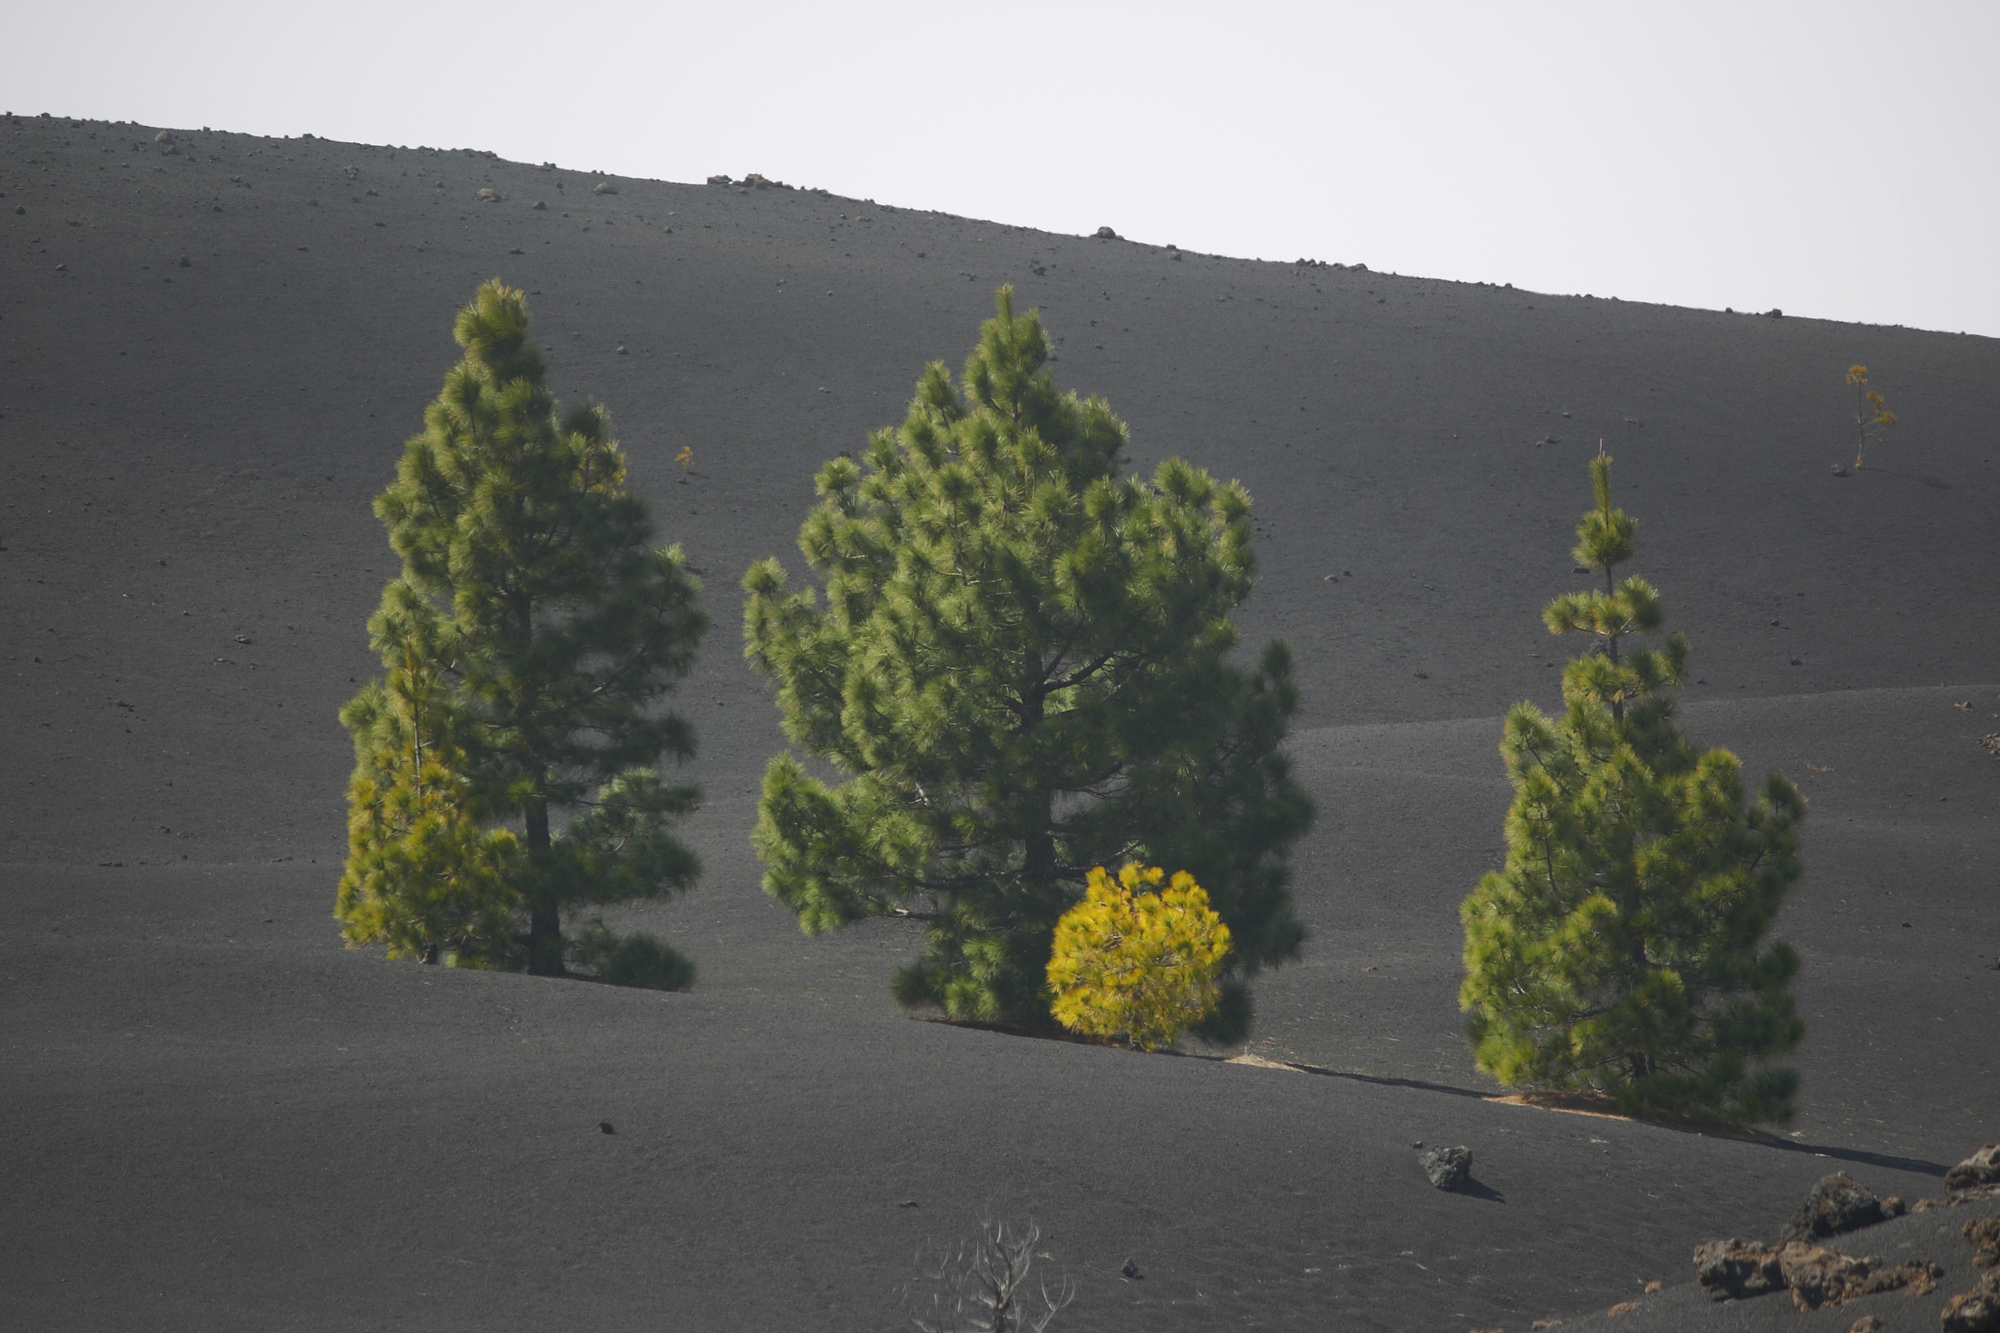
(1021, 670)
(1620, 948)
(532, 592)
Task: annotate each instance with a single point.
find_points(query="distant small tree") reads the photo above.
(547, 627)
(1872, 417)
(1620, 948)
(1136, 960)
(1020, 670)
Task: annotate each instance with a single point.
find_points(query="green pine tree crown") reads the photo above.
(1620, 949)
(1019, 669)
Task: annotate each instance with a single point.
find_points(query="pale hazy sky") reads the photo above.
(1835, 159)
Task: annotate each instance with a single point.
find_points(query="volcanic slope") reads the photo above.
(223, 1120)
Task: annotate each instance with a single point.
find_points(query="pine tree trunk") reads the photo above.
(1039, 860)
(544, 918)
(1611, 590)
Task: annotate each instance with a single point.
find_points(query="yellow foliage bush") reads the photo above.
(1144, 964)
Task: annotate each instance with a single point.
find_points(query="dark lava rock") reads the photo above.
(1837, 1204)
(1984, 1233)
(1448, 1168)
(1975, 1311)
(604, 187)
(1982, 1168)
(1737, 1269)
(720, 180)
(1105, 234)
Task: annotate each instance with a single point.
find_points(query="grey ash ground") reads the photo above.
(220, 1119)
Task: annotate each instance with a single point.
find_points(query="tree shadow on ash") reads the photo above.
(1553, 1102)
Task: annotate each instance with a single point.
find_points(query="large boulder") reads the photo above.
(1982, 1168)
(1448, 1168)
(1837, 1204)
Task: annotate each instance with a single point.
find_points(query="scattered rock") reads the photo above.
(1837, 1204)
(604, 187)
(720, 180)
(1448, 1168)
(604, 1127)
(1775, 313)
(185, 262)
(1541, 1324)
(1984, 1233)
(1975, 1311)
(1983, 1167)
(1655, 1287)
(1131, 1271)
(1737, 1269)
(1104, 234)
(1868, 1323)
(488, 195)
(1839, 471)
(163, 137)
(541, 207)
(1985, 742)
(621, 349)
(1623, 1307)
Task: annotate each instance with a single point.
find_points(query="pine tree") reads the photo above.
(1620, 949)
(1021, 671)
(554, 629)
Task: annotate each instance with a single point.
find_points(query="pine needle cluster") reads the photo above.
(1136, 960)
(1020, 668)
(1621, 947)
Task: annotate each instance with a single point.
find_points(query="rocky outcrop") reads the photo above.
(1815, 1275)
(1838, 1204)
(1819, 1277)
(1982, 1168)
(1737, 1269)
(1984, 1233)
(1975, 1311)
